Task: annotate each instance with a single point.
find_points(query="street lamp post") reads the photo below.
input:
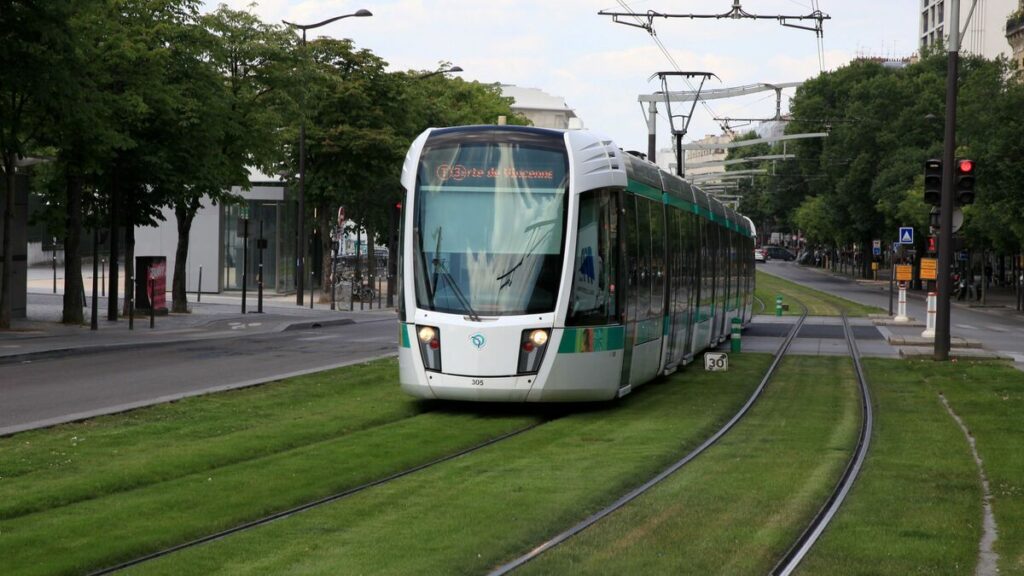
(300, 229)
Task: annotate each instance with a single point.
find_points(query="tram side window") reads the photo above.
(657, 259)
(646, 275)
(594, 300)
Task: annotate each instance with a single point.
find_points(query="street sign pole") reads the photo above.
(946, 204)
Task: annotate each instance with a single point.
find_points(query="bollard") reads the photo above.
(737, 325)
(778, 305)
(351, 295)
(152, 304)
(901, 310)
(199, 287)
(929, 331)
(259, 294)
(131, 303)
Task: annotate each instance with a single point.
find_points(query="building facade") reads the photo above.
(709, 152)
(543, 109)
(985, 34)
(221, 251)
(1015, 36)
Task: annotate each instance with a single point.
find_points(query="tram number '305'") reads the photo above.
(476, 382)
(716, 361)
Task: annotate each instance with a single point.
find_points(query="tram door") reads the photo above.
(645, 291)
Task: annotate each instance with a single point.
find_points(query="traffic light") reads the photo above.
(965, 181)
(933, 181)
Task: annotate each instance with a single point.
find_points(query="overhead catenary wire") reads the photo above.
(675, 65)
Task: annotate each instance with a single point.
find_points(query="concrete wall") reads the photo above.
(204, 246)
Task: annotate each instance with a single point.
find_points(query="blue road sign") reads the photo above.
(906, 235)
(876, 250)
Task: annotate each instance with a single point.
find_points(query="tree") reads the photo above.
(231, 70)
(33, 36)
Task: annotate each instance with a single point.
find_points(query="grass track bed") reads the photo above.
(469, 514)
(44, 469)
(737, 508)
(916, 508)
(317, 455)
(818, 303)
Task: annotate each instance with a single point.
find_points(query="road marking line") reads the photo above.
(966, 326)
(312, 338)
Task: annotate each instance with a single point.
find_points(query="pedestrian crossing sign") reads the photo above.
(906, 235)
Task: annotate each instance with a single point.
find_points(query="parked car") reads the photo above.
(780, 253)
(760, 255)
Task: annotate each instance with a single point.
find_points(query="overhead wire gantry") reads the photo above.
(735, 13)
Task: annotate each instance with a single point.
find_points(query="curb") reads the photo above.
(119, 346)
(78, 417)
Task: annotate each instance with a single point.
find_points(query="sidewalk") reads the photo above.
(216, 316)
(1001, 299)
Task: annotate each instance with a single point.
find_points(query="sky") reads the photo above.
(565, 48)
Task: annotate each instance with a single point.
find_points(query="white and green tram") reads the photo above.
(548, 266)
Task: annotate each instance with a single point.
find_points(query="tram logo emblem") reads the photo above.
(478, 341)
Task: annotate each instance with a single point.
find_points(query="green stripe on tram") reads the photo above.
(596, 339)
(647, 191)
(403, 335)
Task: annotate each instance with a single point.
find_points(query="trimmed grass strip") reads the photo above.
(45, 469)
(104, 531)
(739, 507)
(466, 515)
(818, 303)
(916, 508)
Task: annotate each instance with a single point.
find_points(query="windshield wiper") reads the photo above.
(447, 276)
(506, 278)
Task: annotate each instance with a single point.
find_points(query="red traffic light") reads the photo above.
(398, 205)
(966, 166)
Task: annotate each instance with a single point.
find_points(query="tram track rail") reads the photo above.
(315, 503)
(791, 560)
(667, 472)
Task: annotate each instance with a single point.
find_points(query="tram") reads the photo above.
(543, 265)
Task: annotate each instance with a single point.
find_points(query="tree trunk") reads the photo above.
(74, 290)
(8, 247)
(184, 214)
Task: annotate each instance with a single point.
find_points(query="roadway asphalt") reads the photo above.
(52, 373)
(999, 328)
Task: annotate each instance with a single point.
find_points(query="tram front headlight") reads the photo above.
(430, 347)
(532, 346)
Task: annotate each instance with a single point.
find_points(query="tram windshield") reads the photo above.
(490, 223)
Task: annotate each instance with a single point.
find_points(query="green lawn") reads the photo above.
(468, 514)
(45, 469)
(917, 507)
(83, 496)
(737, 508)
(818, 303)
(210, 463)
